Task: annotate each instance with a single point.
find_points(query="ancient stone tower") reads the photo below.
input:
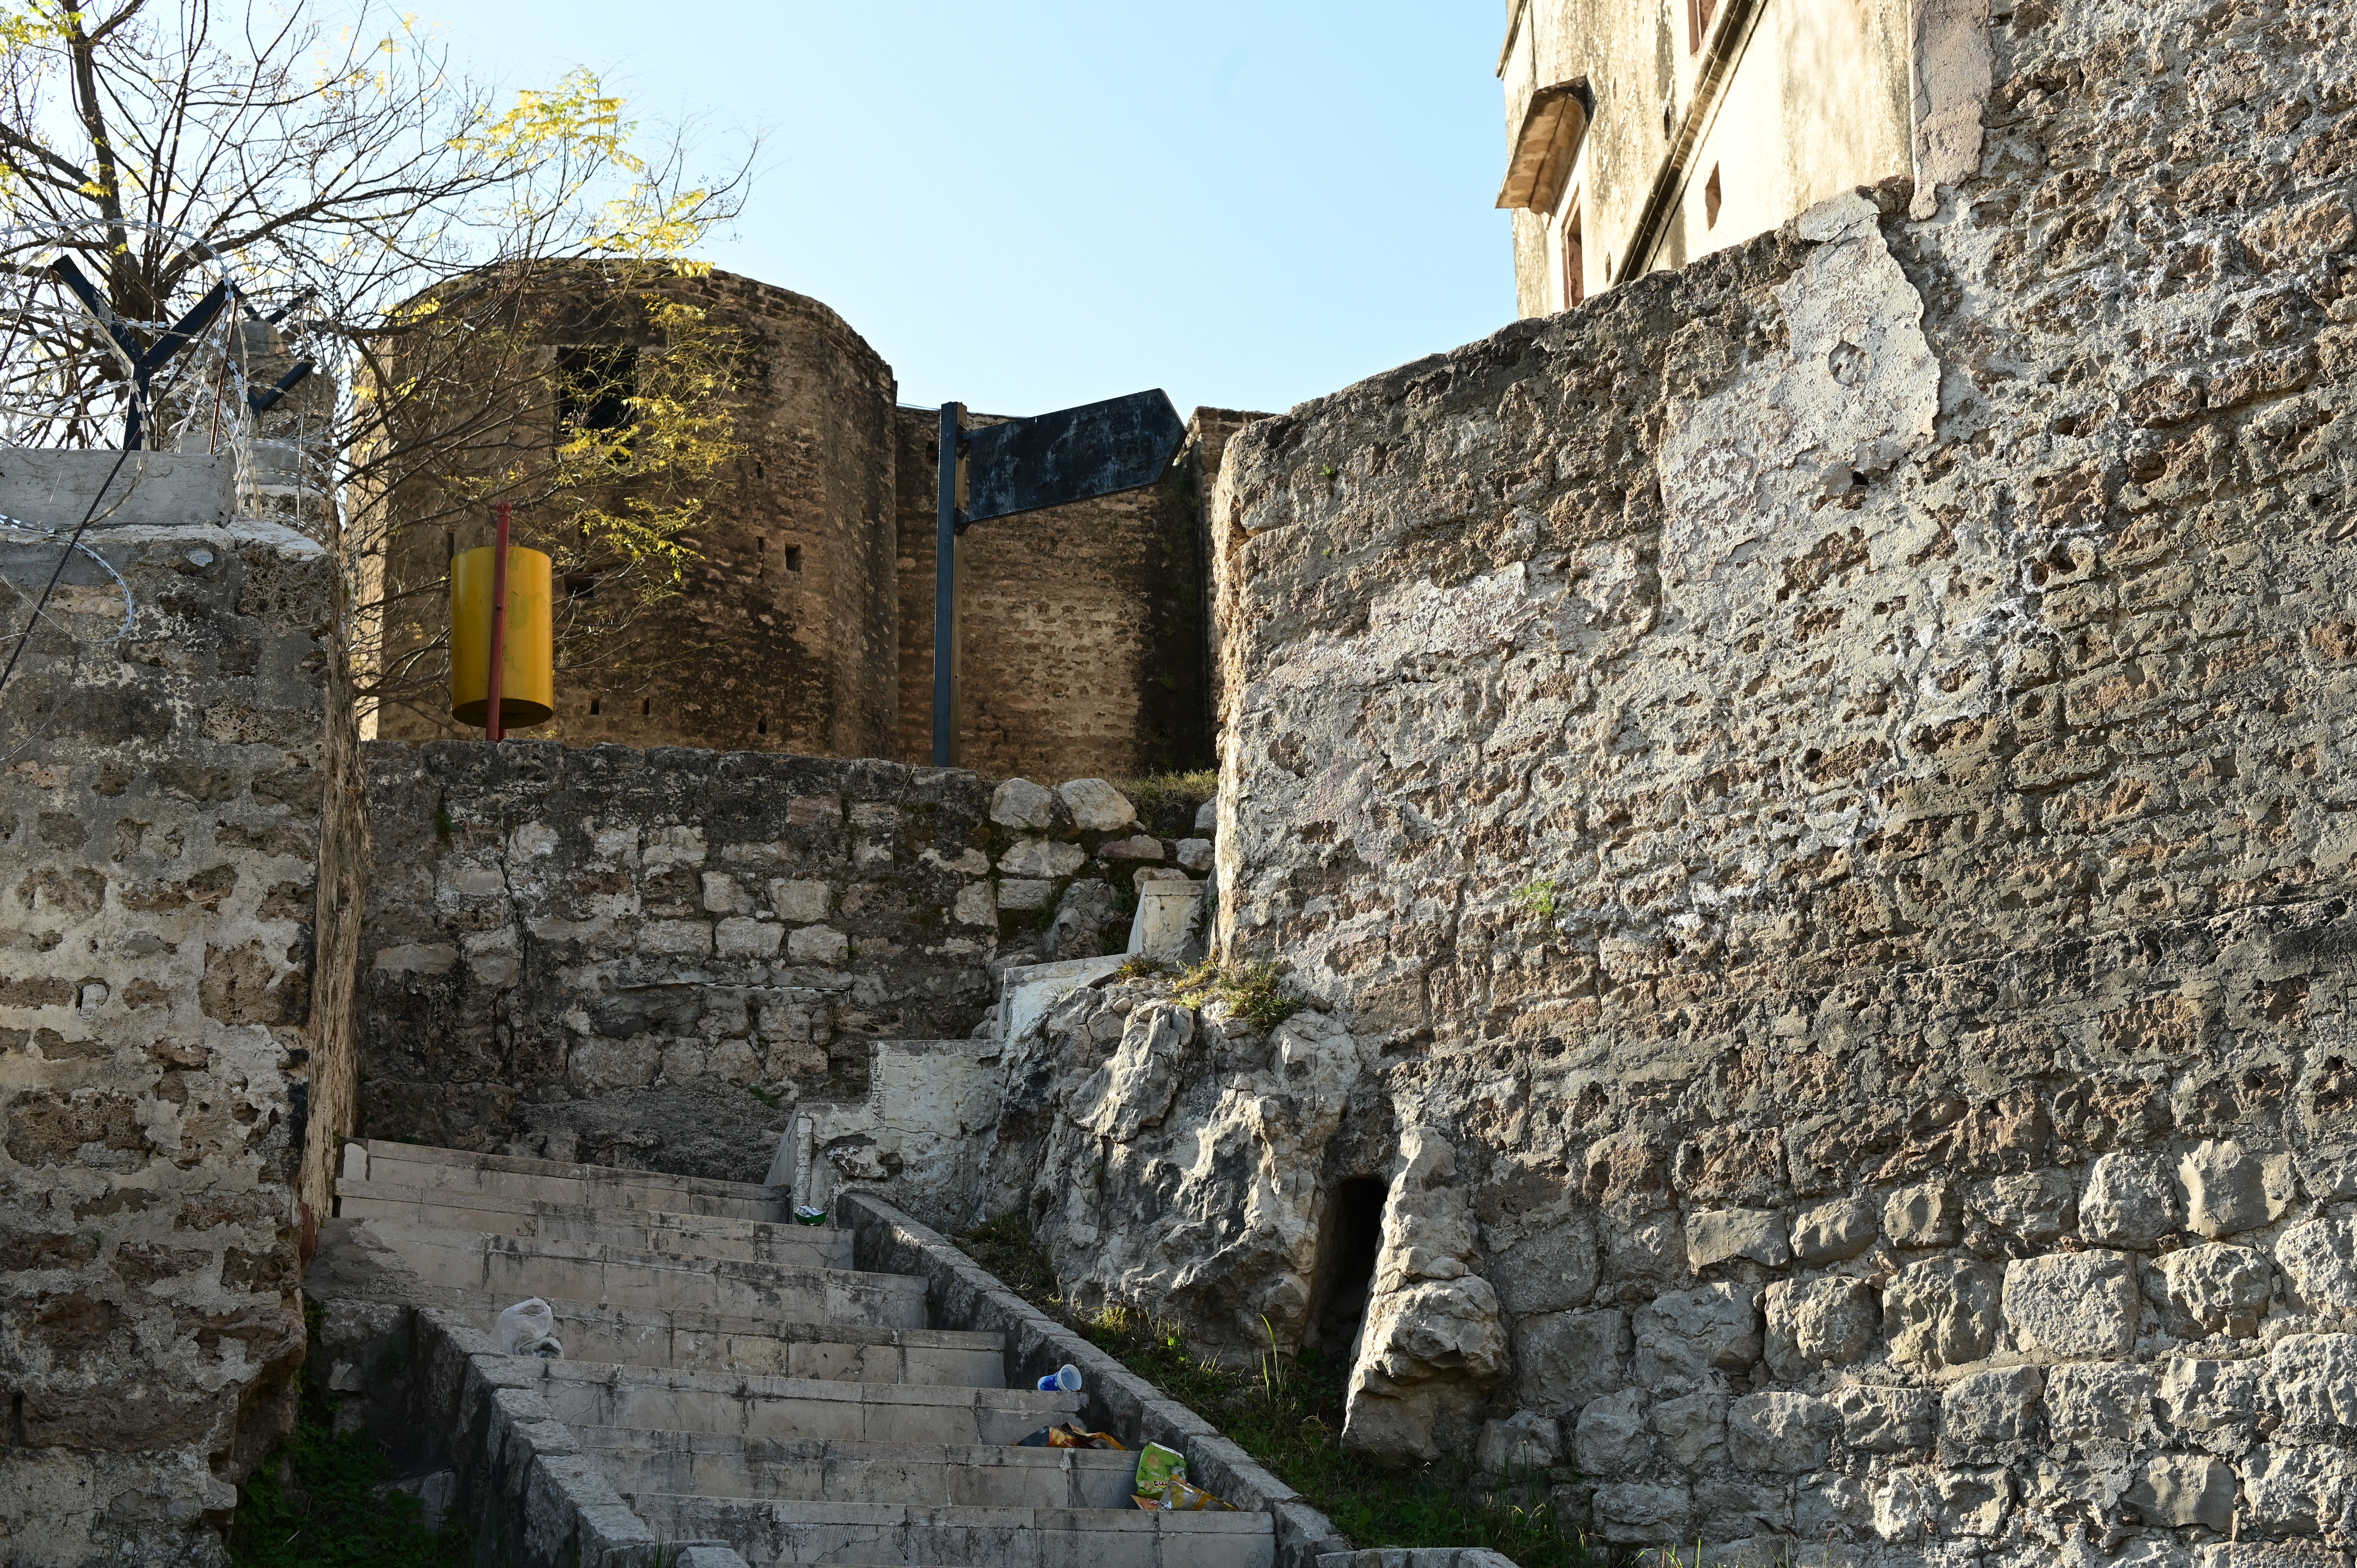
(805, 623)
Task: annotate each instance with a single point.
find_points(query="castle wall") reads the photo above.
(171, 805)
(785, 637)
(1808, 790)
(1082, 628)
(645, 958)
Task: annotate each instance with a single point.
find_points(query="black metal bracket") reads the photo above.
(262, 400)
(145, 362)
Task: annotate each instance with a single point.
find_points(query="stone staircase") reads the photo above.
(733, 1388)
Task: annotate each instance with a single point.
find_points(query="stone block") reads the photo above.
(1827, 1506)
(2319, 1258)
(1040, 857)
(2329, 1171)
(2218, 1289)
(1989, 1409)
(1194, 854)
(1886, 1419)
(2225, 1189)
(1835, 1231)
(2178, 1489)
(818, 944)
(1018, 803)
(1781, 1432)
(1137, 846)
(1919, 1504)
(2129, 1201)
(1931, 1215)
(2203, 1394)
(2038, 1207)
(1207, 817)
(1639, 1512)
(801, 902)
(741, 937)
(1940, 1313)
(1565, 1361)
(1611, 1437)
(2073, 1304)
(1819, 1323)
(1683, 1335)
(1096, 806)
(1759, 1234)
(2313, 1377)
(977, 905)
(2092, 1402)
(677, 938)
(2270, 1555)
(1522, 1443)
(1726, 1508)
(1022, 893)
(1690, 1429)
(2299, 1490)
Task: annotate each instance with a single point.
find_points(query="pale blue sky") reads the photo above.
(1040, 202)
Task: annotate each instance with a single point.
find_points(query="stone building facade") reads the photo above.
(805, 623)
(1643, 136)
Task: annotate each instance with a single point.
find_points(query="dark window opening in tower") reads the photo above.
(793, 557)
(646, 706)
(593, 705)
(1348, 1242)
(593, 386)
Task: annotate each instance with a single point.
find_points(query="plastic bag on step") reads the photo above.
(1157, 1468)
(1179, 1493)
(527, 1329)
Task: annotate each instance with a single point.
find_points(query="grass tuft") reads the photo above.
(1166, 802)
(1253, 992)
(321, 1498)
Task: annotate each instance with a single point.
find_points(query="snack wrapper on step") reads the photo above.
(1180, 1493)
(1070, 1436)
(1156, 1467)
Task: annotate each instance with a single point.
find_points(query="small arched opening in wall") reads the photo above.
(1348, 1238)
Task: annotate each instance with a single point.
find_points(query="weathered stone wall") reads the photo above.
(1811, 788)
(161, 805)
(648, 958)
(1084, 629)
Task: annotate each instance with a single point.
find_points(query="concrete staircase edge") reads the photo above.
(961, 1292)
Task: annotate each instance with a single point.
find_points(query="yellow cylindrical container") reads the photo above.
(527, 679)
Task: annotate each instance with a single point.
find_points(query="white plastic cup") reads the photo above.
(1064, 1380)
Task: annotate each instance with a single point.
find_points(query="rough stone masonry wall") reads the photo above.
(161, 806)
(647, 957)
(1814, 789)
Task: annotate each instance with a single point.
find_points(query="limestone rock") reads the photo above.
(1931, 1215)
(1942, 1313)
(2225, 1189)
(1041, 857)
(2200, 1394)
(1991, 1408)
(1096, 807)
(1759, 1234)
(2129, 1201)
(1207, 817)
(2038, 1207)
(2314, 1377)
(1025, 893)
(1637, 1511)
(2219, 1289)
(1523, 1443)
(1194, 854)
(1018, 803)
(1137, 846)
(1564, 1361)
(2300, 1490)
(1782, 1432)
(1142, 1078)
(1883, 1420)
(1611, 1437)
(2073, 1304)
(2319, 1258)
(2093, 1402)
(2185, 1488)
(1819, 1323)
(1690, 1429)
(1837, 1231)
(1682, 1337)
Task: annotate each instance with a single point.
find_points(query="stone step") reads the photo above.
(927, 1475)
(615, 1276)
(910, 1536)
(557, 1181)
(718, 1342)
(587, 1394)
(639, 1229)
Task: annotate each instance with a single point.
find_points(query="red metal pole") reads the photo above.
(491, 715)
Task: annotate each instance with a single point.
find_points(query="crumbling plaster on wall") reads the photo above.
(161, 803)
